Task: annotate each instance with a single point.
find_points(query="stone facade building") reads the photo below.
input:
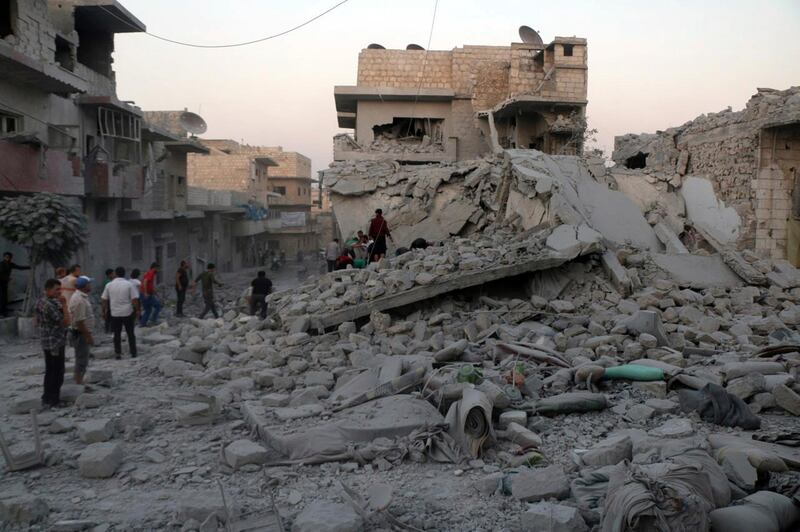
(64, 130)
(750, 156)
(426, 106)
(277, 181)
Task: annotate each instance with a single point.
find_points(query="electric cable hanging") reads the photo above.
(422, 72)
(232, 45)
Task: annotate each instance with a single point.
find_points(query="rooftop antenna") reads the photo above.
(193, 123)
(530, 35)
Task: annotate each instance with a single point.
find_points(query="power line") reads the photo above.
(424, 63)
(232, 45)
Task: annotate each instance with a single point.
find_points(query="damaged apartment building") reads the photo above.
(737, 171)
(274, 187)
(63, 130)
(417, 105)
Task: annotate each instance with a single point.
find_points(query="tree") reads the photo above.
(49, 229)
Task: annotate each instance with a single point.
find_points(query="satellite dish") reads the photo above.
(413, 46)
(375, 46)
(192, 123)
(529, 35)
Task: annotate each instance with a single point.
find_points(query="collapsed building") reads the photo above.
(747, 159)
(418, 105)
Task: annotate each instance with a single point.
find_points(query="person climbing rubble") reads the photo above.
(378, 231)
(261, 288)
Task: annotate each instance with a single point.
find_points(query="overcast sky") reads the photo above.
(652, 65)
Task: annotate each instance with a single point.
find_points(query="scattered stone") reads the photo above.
(22, 509)
(674, 428)
(787, 399)
(531, 485)
(610, 451)
(100, 460)
(96, 430)
(519, 417)
(747, 386)
(550, 517)
(639, 413)
(327, 516)
(243, 452)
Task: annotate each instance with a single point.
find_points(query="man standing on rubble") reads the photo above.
(378, 231)
(181, 284)
(52, 316)
(208, 279)
(80, 310)
(5, 279)
(262, 287)
(332, 253)
(122, 300)
(150, 302)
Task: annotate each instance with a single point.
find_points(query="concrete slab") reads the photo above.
(697, 271)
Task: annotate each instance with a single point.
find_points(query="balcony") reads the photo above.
(128, 182)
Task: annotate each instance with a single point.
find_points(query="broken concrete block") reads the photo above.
(610, 451)
(243, 452)
(617, 273)
(747, 386)
(519, 417)
(22, 509)
(647, 322)
(192, 413)
(299, 412)
(23, 405)
(92, 400)
(200, 505)
(552, 518)
(451, 352)
(490, 483)
(275, 399)
(95, 430)
(327, 516)
(100, 460)
(657, 388)
(99, 377)
(531, 485)
(319, 378)
(662, 406)
(71, 392)
(560, 306)
(61, 425)
(674, 428)
(787, 399)
(639, 413)
(523, 437)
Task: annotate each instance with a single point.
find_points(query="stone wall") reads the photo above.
(724, 148)
(403, 68)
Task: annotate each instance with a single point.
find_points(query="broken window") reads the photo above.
(10, 123)
(122, 132)
(64, 53)
(637, 161)
(568, 50)
(101, 211)
(279, 190)
(411, 133)
(94, 47)
(137, 247)
(8, 17)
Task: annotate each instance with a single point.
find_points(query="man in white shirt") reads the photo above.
(332, 253)
(121, 298)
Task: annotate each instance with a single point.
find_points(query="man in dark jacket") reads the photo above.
(258, 299)
(6, 266)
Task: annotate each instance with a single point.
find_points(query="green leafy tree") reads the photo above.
(49, 229)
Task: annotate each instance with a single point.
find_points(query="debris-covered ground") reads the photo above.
(522, 377)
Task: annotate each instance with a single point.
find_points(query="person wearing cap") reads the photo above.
(80, 311)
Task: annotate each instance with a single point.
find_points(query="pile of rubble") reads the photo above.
(557, 366)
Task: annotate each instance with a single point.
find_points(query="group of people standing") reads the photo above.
(363, 249)
(64, 314)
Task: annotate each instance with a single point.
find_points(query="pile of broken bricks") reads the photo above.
(541, 373)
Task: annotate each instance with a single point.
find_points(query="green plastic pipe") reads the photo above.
(634, 372)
